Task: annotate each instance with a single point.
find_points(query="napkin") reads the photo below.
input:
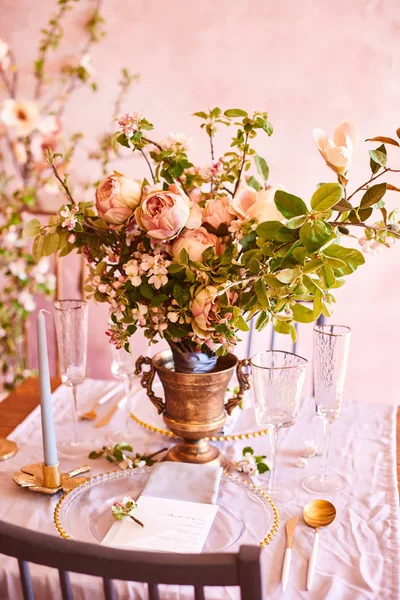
(184, 481)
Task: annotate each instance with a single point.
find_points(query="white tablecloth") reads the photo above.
(359, 555)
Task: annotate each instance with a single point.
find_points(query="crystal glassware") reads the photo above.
(331, 350)
(278, 379)
(123, 367)
(71, 321)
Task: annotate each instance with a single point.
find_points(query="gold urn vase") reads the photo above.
(194, 406)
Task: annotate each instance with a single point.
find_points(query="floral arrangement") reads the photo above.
(195, 252)
(28, 129)
(125, 508)
(251, 464)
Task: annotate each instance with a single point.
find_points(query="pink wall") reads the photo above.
(310, 64)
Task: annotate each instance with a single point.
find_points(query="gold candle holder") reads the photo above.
(49, 479)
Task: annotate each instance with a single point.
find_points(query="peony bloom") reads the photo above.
(23, 116)
(338, 152)
(162, 214)
(202, 305)
(4, 55)
(195, 241)
(117, 197)
(249, 204)
(216, 212)
(196, 217)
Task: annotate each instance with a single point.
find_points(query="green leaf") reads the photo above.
(176, 331)
(288, 205)
(241, 324)
(282, 327)
(302, 314)
(342, 206)
(326, 196)
(50, 244)
(262, 468)
(365, 213)
(312, 285)
(316, 235)
(296, 222)
(268, 229)
(288, 275)
(378, 157)
(123, 140)
(31, 229)
(157, 300)
(328, 276)
(146, 290)
(353, 258)
(247, 450)
(252, 182)
(262, 320)
(313, 265)
(261, 293)
(201, 114)
(235, 112)
(373, 195)
(262, 166)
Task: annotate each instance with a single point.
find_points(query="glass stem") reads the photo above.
(74, 414)
(327, 441)
(128, 409)
(273, 438)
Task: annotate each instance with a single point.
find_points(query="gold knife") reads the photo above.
(290, 529)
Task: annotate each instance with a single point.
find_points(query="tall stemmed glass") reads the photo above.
(278, 379)
(123, 367)
(331, 350)
(71, 320)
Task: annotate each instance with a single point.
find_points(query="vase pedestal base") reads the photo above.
(198, 452)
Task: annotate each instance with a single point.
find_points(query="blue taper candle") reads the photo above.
(48, 433)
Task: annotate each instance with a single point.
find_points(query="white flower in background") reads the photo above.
(27, 301)
(176, 142)
(4, 55)
(302, 463)
(18, 269)
(22, 116)
(20, 152)
(69, 216)
(40, 270)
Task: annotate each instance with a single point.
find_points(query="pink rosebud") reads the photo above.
(117, 197)
(195, 241)
(216, 212)
(338, 152)
(162, 214)
(71, 238)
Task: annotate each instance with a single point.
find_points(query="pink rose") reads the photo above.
(216, 212)
(162, 214)
(117, 197)
(337, 153)
(195, 241)
(202, 308)
(249, 204)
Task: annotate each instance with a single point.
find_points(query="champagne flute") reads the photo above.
(71, 321)
(331, 350)
(123, 367)
(278, 379)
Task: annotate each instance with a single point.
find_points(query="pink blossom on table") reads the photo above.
(117, 196)
(129, 123)
(202, 307)
(20, 115)
(163, 214)
(338, 152)
(250, 204)
(4, 55)
(69, 216)
(195, 218)
(217, 212)
(195, 242)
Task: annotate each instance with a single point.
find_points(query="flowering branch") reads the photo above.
(50, 157)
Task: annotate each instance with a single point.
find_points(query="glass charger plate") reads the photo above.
(246, 515)
(241, 425)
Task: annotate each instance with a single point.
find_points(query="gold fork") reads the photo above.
(91, 415)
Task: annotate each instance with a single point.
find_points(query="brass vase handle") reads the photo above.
(147, 381)
(244, 384)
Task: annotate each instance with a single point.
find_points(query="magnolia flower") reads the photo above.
(201, 307)
(216, 212)
(162, 214)
(117, 197)
(23, 116)
(195, 241)
(249, 204)
(338, 152)
(4, 55)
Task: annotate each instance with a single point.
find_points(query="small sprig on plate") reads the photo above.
(125, 508)
(251, 464)
(119, 455)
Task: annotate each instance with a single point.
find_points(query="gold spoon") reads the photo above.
(318, 513)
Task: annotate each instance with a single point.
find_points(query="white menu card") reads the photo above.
(169, 526)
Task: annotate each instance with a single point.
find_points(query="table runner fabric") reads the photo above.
(359, 554)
